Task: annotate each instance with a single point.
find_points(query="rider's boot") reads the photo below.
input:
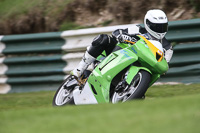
(83, 65)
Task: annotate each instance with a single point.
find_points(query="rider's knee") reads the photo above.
(101, 40)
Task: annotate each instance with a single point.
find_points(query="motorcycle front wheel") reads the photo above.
(64, 95)
(136, 90)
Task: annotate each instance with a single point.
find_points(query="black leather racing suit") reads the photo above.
(108, 42)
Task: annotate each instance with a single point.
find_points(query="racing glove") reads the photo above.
(168, 54)
(123, 38)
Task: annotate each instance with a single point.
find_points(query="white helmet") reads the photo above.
(156, 23)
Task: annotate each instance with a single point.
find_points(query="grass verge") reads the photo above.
(168, 108)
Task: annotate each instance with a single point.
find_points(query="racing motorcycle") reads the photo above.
(123, 75)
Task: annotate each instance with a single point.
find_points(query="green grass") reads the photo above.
(68, 26)
(12, 8)
(166, 109)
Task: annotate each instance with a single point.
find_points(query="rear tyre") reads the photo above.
(136, 90)
(64, 95)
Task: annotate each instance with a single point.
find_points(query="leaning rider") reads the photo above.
(156, 26)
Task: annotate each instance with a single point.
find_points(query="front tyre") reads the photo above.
(136, 90)
(64, 94)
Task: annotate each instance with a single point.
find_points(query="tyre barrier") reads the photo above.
(39, 62)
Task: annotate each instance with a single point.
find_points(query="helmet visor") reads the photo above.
(157, 27)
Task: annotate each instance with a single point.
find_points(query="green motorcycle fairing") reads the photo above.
(101, 77)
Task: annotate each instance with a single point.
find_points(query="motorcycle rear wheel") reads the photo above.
(63, 95)
(136, 89)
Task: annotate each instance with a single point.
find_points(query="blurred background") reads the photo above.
(33, 16)
(41, 41)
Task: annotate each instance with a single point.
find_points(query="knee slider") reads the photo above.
(101, 39)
